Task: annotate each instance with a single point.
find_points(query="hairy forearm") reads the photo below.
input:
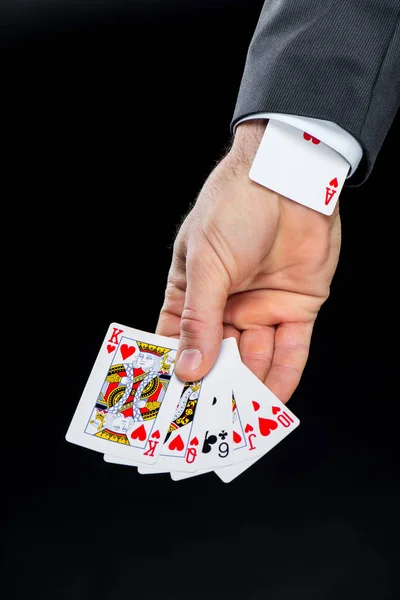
(247, 140)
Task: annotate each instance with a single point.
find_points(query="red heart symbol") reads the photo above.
(156, 434)
(236, 437)
(334, 182)
(275, 409)
(256, 406)
(194, 441)
(127, 351)
(266, 426)
(309, 137)
(248, 428)
(110, 348)
(139, 433)
(177, 444)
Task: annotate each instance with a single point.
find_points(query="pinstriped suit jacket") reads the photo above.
(337, 60)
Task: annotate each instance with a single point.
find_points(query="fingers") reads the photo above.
(268, 307)
(277, 354)
(256, 347)
(201, 322)
(292, 345)
(230, 331)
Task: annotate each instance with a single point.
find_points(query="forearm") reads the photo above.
(245, 142)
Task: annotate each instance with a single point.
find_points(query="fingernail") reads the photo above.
(189, 360)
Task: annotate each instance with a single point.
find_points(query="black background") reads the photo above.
(117, 113)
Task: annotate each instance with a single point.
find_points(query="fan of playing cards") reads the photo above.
(136, 412)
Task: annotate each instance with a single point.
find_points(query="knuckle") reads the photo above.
(192, 326)
(257, 357)
(287, 368)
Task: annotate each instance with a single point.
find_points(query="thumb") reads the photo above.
(201, 325)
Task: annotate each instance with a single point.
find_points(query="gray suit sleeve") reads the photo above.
(337, 60)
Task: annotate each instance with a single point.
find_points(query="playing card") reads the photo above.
(262, 421)
(266, 422)
(238, 439)
(130, 396)
(211, 435)
(177, 439)
(299, 166)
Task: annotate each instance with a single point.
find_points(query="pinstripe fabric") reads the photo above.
(337, 60)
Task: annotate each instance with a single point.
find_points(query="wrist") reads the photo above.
(247, 139)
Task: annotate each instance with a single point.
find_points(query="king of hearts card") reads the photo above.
(130, 397)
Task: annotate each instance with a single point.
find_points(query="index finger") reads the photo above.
(291, 350)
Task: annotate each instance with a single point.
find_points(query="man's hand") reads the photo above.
(248, 263)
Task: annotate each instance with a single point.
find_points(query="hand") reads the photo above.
(249, 263)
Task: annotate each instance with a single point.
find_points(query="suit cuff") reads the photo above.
(328, 132)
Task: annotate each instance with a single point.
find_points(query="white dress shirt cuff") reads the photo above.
(328, 132)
